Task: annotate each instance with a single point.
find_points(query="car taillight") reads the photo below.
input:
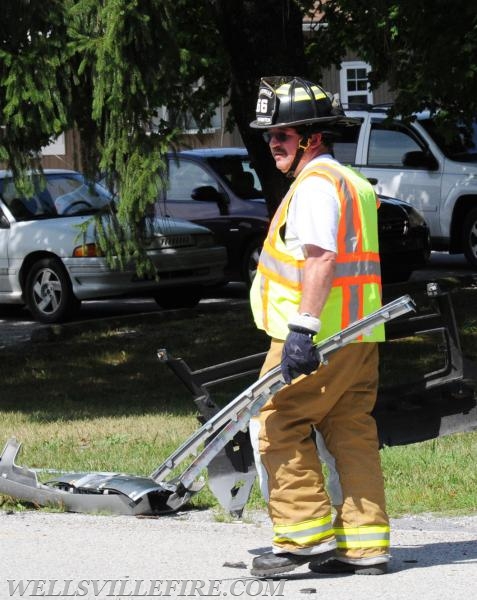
(86, 250)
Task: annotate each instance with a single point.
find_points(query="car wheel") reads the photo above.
(182, 297)
(48, 292)
(250, 260)
(469, 238)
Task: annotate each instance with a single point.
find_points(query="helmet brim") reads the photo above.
(325, 121)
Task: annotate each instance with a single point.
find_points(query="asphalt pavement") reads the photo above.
(16, 325)
(193, 554)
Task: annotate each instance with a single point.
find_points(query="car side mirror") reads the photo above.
(207, 193)
(420, 159)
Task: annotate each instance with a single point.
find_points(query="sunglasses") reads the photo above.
(280, 136)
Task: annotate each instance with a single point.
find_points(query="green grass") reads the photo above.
(101, 401)
(436, 476)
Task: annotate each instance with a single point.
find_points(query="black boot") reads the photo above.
(338, 567)
(274, 564)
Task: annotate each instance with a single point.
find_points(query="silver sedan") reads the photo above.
(50, 259)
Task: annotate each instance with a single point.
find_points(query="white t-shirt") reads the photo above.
(313, 213)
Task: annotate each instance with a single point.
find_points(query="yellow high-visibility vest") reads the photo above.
(356, 289)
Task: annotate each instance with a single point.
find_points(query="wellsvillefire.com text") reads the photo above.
(143, 588)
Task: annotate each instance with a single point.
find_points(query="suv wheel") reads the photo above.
(469, 240)
(48, 292)
(182, 297)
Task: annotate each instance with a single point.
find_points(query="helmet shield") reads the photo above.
(267, 105)
(290, 101)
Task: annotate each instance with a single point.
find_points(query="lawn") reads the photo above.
(100, 400)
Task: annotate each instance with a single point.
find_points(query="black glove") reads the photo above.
(299, 355)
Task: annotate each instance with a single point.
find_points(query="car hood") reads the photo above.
(393, 205)
(166, 232)
(169, 225)
(393, 211)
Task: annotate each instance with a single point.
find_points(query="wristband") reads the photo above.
(306, 321)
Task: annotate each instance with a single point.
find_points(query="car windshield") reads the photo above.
(461, 146)
(56, 195)
(239, 174)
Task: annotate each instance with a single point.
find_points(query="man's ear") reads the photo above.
(315, 140)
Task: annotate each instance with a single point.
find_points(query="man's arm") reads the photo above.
(318, 276)
(299, 356)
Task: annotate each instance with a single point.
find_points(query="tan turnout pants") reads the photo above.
(336, 400)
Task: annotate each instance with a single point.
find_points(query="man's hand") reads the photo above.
(299, 355)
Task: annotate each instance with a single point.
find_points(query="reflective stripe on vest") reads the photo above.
(306, 533)
(356, 288)
(372, 536)
(281, 271)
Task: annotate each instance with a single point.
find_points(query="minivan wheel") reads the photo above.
(469, 238)
(250, 260)
(181, 297)
(48, 292)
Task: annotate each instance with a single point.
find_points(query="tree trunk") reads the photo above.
(261, 38)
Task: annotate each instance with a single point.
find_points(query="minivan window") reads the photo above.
(56, 195)
(184, 177)
(239, 174)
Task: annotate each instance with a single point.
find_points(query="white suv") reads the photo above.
(415, 163)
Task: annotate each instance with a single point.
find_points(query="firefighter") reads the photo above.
(319, 271)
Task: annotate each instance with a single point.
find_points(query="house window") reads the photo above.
(354, 83)
(55, 147)
(187, 122)
(192, 128)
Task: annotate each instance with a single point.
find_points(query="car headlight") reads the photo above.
(415, 218)
(204, 240)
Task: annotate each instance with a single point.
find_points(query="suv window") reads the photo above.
(184, 177)
(346, 144)
(460, 145)
(388, 145)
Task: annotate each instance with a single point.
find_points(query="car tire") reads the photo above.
(182, 297)
(250, 260)
(48, 292)
(469, 237)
